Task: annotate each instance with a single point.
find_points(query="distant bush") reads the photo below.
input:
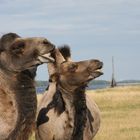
(41, 83)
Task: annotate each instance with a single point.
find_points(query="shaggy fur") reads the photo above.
(65, 51)
(80, 118)
(27, 104)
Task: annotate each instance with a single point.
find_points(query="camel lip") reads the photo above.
(46, 58)
(99, 69)
(99, 73)
(95, 74)
(49, 57)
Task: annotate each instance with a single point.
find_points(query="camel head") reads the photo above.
(19, 54)
(72, 75)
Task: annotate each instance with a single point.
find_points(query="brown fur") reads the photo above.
(19, 58)
(80, 118)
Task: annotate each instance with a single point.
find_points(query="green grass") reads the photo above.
(120, 113)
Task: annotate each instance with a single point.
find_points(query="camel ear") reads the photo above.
(53, 68)
(59, 58)
(66, 52)
(7, 40)
(17, 47)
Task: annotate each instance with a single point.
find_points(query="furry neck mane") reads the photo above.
(80, 117)
(26, 101)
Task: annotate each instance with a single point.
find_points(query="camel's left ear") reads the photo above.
(53, 68)
(59, 57)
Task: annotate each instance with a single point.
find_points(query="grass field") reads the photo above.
(120, 113)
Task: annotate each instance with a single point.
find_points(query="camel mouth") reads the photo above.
(41, 59)
(96, 72)
(99, 71)
(46, 58)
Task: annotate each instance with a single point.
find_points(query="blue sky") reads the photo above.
(93, 28)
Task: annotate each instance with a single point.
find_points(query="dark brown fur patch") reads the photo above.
(65, 51)
(7, 40)
(57, 103)
(91, 119)
(80, 117)
(27, 106)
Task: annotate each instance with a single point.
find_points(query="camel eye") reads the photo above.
(72, 67)
(18, 47)
(45, 42)
(21, 45)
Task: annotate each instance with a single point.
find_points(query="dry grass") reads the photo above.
(120, 112)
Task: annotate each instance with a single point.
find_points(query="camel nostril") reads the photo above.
(102, 63)
(96, 61)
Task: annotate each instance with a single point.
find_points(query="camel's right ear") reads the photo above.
(7, 40)
(66, 52)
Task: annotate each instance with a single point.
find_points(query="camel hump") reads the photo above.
(8, 114)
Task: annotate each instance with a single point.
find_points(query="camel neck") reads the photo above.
(80, 117)
(23, 89)
(77, 109)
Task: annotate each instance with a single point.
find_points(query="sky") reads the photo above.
(94, 29)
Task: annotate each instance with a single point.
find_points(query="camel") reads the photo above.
(65, 111)
(19, 58)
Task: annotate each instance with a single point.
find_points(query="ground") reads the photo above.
(120, 112)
